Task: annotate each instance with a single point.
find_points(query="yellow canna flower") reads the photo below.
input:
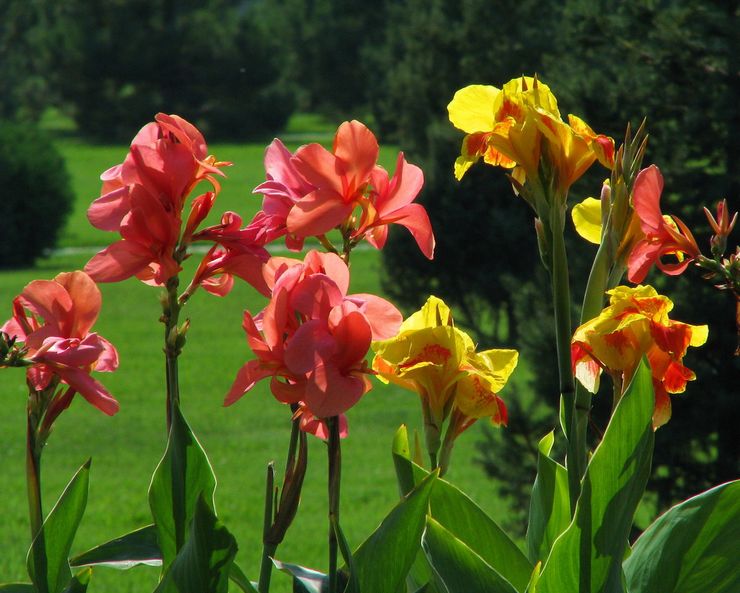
(636, 324)
(439, 362)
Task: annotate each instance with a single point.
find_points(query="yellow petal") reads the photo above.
(496, 365)
(472, 108)
(699, 334)
(587, 219)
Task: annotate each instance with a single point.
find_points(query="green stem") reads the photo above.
(36, 513)
(171, 348)
(335, 471)
(268, 549)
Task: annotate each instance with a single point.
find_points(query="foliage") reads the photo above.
(225, 76)
(38, 197)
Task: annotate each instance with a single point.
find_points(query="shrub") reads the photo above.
(37, 196)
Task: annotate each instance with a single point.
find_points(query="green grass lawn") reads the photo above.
(240, 440)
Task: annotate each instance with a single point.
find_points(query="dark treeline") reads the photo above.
(239, 69)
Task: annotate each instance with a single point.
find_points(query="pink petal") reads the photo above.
(315, 295)
(118, 261)
(404, 187)
(108, 359)
(319, 167)
(86, 299)
(247, 376)
(415, 218)
(309, 346)
(353, 336)
(646, 199)
(288, 393)
(108, 210)
(356, 146)
(642, 257)
(90, 389)
(318, 213)
(330, 393)
(384, 319)
(49, 300)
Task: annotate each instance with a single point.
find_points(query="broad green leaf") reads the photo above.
(17, 588)
(79, 582)
(692, 548)
(549, 508)
(134, 548)
(305, 580)
(384, 559)
(459, 568)
(54, 540)
(457, 513)
(182, 474)
(237, 576)
(587, 557)
(204, 562)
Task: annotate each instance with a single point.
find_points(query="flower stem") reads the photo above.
(36, 513)
(268, 549)
(171, 347)
(335, 470)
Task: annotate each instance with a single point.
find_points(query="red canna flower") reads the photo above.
(664, 235)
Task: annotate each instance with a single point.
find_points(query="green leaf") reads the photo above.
(204, 563)
(384, 559)
(305, 580)
(134, 548)
(237, 576)
(17, 588)
(79, 582)
(459, 568)
(56, 535)
(181, 476)
(549, 508)
(457, 513)
(692, 548)
(352, 585)
(587, 557)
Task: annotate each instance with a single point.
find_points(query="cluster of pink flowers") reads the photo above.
(315, 190)
(312, 338)
(53, 319)
(143, 199)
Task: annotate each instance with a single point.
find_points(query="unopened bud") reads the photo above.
(543, 242)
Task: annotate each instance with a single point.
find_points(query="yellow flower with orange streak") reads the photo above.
(633, 325)
(506, 127)
(435, 359)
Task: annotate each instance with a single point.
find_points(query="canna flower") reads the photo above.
(143, 199)
(53, 319)
(312, 338)
(636, 324)
(439, 362)
(283, 188)
(663, 235)
(341, 178)
(316, 190)
(391, 202)
(519, 126)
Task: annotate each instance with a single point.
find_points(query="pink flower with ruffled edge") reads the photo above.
(312, 338)
(53, 319)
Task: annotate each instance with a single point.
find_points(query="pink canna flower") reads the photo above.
(341, 178)
(53, 319)
(312, 338)
(664, 235)
(143, 199)
(391, 202)
(283, 188)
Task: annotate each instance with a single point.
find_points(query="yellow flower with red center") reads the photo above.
(518, 125)
(439, 362)
(636, 324)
